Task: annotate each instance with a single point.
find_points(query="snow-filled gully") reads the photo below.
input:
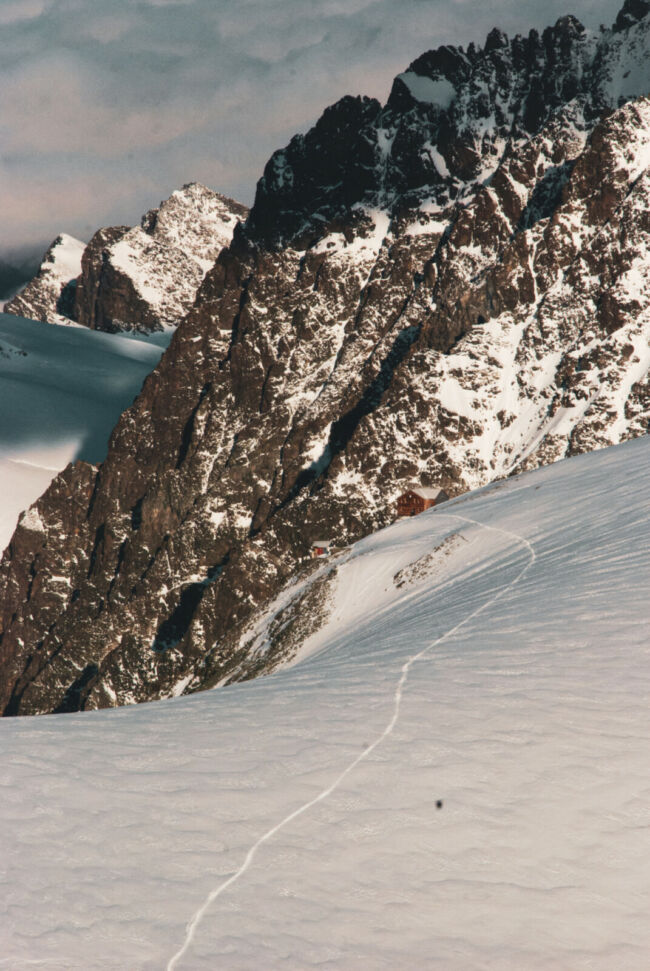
(397, 699)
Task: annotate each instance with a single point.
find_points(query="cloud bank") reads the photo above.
(106, 109)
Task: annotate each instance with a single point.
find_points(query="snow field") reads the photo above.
(62, 390)
(326, 793)
(526, 713)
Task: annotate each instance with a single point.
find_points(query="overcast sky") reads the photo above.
(106, 108)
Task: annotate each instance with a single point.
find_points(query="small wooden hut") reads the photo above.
(418, 498)
(321, 547)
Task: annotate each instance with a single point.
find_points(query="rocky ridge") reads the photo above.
(49, 296)
(142, 278)
(450, 287)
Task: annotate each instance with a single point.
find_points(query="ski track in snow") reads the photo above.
(397, 700)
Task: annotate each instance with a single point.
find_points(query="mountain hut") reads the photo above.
(321, 547)
(418, 498)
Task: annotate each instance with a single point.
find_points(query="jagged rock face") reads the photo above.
(50, 295)
(452, 315)
(449, 122)
(143, 278)
(196, 220)
(631, 12)
(146, 278)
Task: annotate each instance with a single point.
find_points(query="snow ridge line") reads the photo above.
(397, 700)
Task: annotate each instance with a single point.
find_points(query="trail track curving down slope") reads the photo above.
(193, 925)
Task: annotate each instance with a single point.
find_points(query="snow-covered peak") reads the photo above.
(49, 296)
(144, 278)
(64, 257)
(196, 220)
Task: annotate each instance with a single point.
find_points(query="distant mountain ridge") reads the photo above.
(142, 278)
(451, 120)
(449, 288)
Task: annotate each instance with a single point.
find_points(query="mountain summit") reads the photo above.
(448, 289)
(143, 278)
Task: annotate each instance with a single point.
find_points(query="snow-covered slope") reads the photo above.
(491, 655)
(61, 391)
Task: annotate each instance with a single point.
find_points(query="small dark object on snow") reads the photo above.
(439, 804)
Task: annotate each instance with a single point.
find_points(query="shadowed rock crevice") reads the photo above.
(100, 535)
(136, 515)
(546, 195)
(74, 698)
(12, 707)
(188, 429)
(174, 628)
(344, 428)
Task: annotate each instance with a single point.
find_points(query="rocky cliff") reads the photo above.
(450, 287)
(142, 278)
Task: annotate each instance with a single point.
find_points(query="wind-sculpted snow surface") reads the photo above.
(447, 288)
(524, 713)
